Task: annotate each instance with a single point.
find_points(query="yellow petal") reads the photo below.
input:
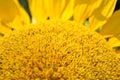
(112, 27)
(102, 13)
(4, 29)
(84, 8)
(12, 16)
(54, 8)
(37, 9)
(59, 9)
(8, 10)
(114, 42)
(18, 23)
(68, 11)
(21, 20)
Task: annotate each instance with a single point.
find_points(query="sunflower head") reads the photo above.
(55, 50)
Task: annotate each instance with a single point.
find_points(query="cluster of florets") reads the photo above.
(57, 50)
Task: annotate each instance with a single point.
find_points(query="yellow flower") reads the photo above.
(61, 47)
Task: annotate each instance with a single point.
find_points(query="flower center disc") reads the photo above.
(56, 50)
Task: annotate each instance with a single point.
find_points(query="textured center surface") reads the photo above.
(57, 50)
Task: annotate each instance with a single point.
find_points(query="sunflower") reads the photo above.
(65, 40)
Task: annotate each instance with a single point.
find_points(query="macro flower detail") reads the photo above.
(93, 13)
(59, 40)
(57, 50)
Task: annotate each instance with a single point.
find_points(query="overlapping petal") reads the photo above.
(59, 9)
(51, 9)
(8, 10)
(102, 14)
(4, 29)
(84, 8)
(112, 26)
(12, 16)
(68, 10)
(114, 42)
(22, 19)
(37, 9)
